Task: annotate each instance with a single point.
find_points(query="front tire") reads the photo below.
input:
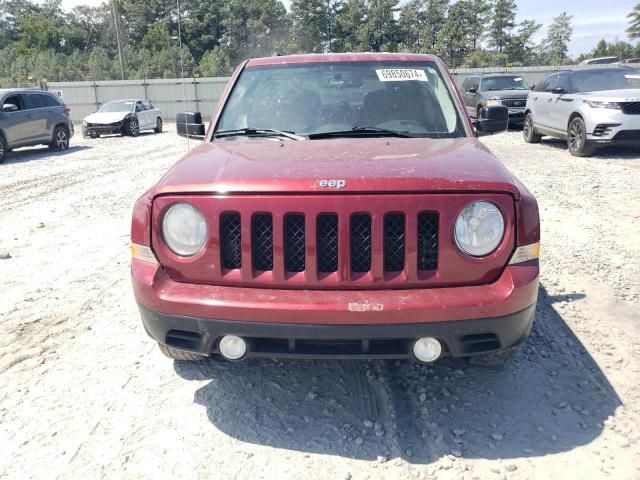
(176, 354)
(132, 127)
(60, 140)
(577, 139)
(529, 131)
(158, 128)
(4, 150)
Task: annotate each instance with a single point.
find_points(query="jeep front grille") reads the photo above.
(327, 242)
(332, 242)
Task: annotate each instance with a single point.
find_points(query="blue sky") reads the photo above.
(592, 19)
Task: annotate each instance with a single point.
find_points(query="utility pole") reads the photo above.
(115, 22)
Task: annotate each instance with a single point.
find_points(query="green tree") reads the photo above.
(455, 34)
(556, 43)
(634, 22)
(215, 63)
(349, 30)
(411, 24)
(522, 50)
(202, 26)
(380, 26)
(435, 16)
(477, 13)
(310, 31)
(502, 24)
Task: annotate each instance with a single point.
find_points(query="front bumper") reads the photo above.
(110, 129)
(611, 127)
(516, 115)
(193, 316)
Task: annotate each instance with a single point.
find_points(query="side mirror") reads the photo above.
(473, 90)
(558, 91)
(9, 107)
(533, 86)
(189, 124)
(492, 120)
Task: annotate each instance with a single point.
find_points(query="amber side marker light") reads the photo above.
(525, 253)
(142, 252)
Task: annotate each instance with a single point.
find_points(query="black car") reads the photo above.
(496, 89)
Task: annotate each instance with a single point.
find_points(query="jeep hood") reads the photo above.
(365, 164)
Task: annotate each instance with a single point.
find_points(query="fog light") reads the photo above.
(427, 349)
(232, 347)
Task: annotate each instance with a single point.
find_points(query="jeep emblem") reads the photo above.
(333, 183)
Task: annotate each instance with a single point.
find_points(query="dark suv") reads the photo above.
(490, 90)
(33, 117)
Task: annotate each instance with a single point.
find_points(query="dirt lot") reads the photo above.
(84, 393)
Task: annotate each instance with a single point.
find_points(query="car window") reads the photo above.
(465, 85)
(475, 83)
(551, 83)
(541, 85)
(34, 100)
(49, 100)
(564, 81)
(330, 97)
(504, 82)
(146, 105)
(139, 107)
(12, 103)
(117, 106)
(605, 79)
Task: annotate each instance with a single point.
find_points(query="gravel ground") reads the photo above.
(85, 393)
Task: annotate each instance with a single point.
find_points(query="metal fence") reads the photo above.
(170, 95)
(202, 94)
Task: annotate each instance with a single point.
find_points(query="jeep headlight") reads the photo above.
(493, 102)
(184, 229)
(479, 228)
(84, 123)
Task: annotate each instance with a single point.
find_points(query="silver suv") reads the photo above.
(589, 108)
(33, 117)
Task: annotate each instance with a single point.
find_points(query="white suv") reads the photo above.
(589, 108)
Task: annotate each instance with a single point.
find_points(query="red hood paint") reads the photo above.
(375, 165)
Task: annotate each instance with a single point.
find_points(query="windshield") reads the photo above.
(119, 106)
(312, 99)
(503, 83)
(594, 81)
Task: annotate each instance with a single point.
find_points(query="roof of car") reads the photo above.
(22, 90)
(340, 57)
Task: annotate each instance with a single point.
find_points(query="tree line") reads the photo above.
(39, 40)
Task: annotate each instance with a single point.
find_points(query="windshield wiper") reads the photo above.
(364, 131)
(266, 132)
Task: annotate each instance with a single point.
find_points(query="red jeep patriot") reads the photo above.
(340, 206)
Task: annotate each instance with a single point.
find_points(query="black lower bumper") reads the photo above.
(101, 130)
(460, 338)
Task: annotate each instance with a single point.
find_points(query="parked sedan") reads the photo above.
(501, 89)
(588, 108)
(126, 117)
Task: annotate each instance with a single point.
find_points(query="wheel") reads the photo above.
(60, 140)
(176, 354)
(158, 128)
(496, 359)
(577, 139)
(132, 127)
(528, 130)
(4, 150)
